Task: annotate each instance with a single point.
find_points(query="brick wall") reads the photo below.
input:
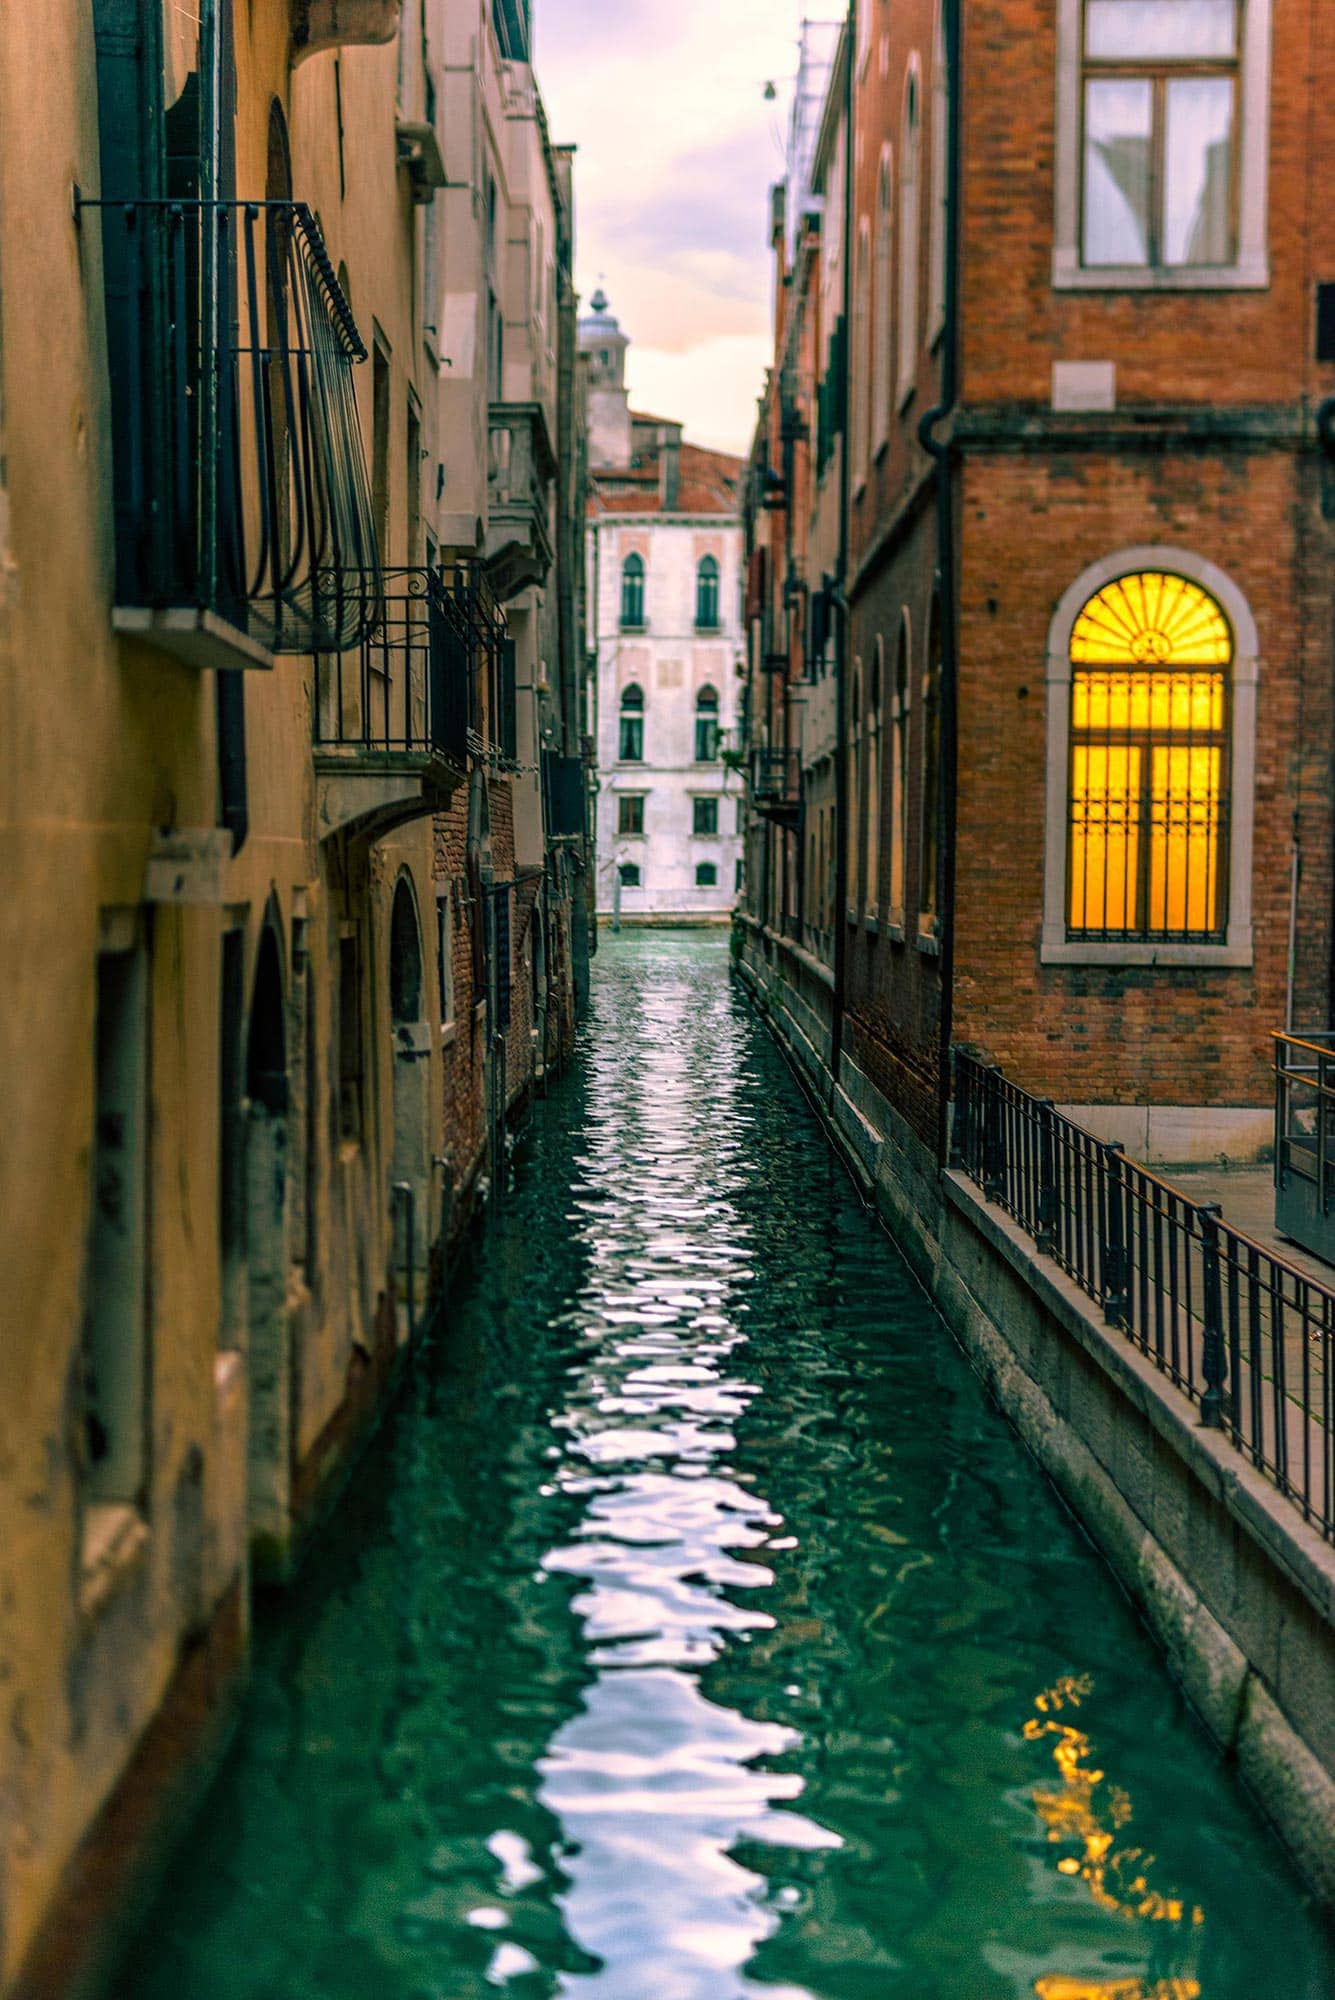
(1126, 1034)
(1216, 348)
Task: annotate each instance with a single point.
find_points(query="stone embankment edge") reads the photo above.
(966, 1252)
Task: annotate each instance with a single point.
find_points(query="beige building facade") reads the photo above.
(279, 606)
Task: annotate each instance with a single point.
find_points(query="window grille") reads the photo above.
(1149, 764)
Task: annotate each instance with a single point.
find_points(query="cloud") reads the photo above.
(676, 150)
(715, 382)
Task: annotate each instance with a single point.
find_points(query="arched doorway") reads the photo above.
(410, 1058)
(272, 1407)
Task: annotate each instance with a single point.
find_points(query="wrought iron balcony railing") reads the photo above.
(492, 694)
(776, 784)
(241, 496)
(395, 709)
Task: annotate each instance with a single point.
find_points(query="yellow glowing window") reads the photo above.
(1148, 815)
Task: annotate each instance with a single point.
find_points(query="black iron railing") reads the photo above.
(240, 479)
(776, 779)
(1247, 1336)
(404, 691)
(491, 676)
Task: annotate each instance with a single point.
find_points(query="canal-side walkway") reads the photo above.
(701, 1631)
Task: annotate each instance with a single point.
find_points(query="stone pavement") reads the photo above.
(1247, 1197)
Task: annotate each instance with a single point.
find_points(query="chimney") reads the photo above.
(669, 468)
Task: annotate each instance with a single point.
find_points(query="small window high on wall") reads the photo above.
(706, 726)
(632, 594)
(707, 595)
(1160, 110)
(1162, 143)
(630, 745)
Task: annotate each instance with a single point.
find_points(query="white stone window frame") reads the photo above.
(1056, 947)
(1250, 269)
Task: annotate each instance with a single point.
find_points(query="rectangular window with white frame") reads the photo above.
(1162, 132)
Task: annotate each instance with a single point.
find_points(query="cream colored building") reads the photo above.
(278, 606)
(665, 597)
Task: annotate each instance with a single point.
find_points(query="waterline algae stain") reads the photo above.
(700, 1631)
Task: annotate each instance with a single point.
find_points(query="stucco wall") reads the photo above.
(670, 662)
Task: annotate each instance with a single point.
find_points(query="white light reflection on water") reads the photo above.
(653, 1784)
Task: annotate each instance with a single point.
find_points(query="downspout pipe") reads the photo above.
(942, 452)
(843, 649)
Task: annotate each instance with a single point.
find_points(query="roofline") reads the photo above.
(835, 93)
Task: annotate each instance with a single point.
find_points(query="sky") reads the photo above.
(677, 150)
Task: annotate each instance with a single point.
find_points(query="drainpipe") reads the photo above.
(941, 452)
(840, 579)
(1295, 883)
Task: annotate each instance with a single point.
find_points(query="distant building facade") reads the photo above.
(665, 553)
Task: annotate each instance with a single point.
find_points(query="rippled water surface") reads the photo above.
(700, 1631)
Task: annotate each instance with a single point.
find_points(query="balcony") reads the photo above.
(776, 786)
(239, 481)
(521, 468)
(341, 24)
(392, 715)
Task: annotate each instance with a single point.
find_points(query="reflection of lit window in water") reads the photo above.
(1085, 1815)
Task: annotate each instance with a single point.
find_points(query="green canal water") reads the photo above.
(698, 1630)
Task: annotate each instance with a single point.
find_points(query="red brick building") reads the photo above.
(1085, 735)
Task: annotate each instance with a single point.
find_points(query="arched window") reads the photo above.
(859, 385)
(930, 847)
(1151, 765)
(706, 726)
(630, 748)
(940, 141)
(405, 959)
(909, 202)
(630, 874)
(872, 892)
(899, 765)
(1148, 805)
(883, 335)
(632, 594)
(706, 595)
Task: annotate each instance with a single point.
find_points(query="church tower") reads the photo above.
(601, 339)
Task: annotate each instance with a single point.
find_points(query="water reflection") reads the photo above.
(655, 1786)
(1086, 1816)
(680, 1643)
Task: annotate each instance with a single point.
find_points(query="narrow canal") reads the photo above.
(700, 1631)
